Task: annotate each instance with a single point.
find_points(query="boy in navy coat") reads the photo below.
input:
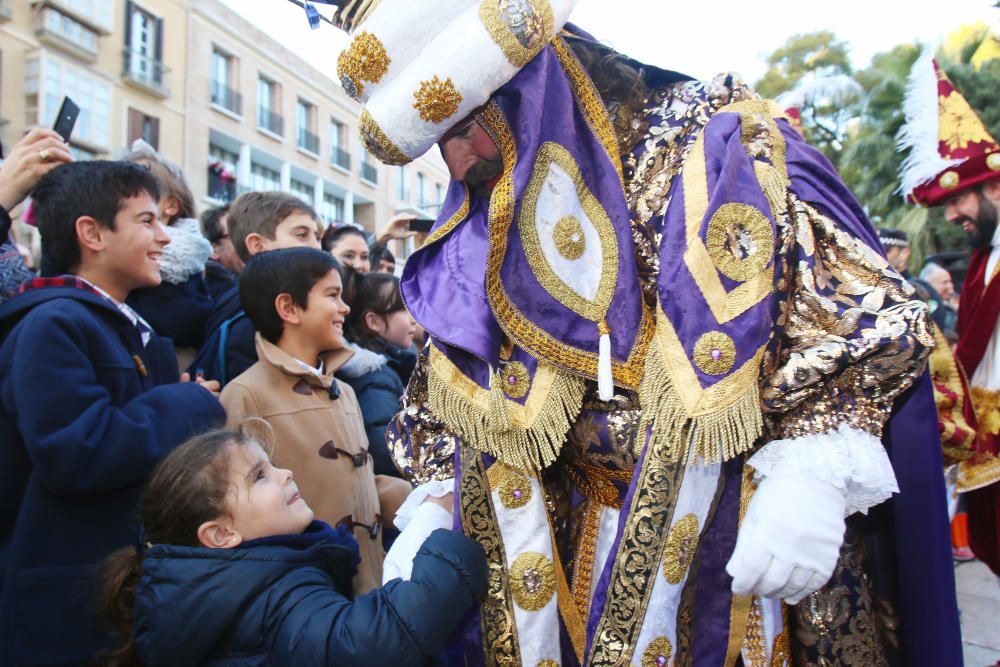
(89, 402)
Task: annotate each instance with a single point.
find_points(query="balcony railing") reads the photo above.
(308, 141)
(369, 172)
(145, 71)
(340, 157)
(223, 189)
(227, 98)
(270, 121)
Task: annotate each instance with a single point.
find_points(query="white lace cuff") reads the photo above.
(436, 488)
(850, 459)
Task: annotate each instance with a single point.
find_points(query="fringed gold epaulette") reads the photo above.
(527, 437)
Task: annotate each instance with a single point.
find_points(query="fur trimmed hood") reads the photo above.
(187, 252)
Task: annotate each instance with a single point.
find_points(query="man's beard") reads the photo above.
(480, 174)
(985, 224)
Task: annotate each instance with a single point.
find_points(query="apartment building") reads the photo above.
(234, 107)
(261, 118)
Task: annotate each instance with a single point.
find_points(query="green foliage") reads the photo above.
(817, 51)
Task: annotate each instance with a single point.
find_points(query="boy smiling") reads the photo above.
(293, 299)
(89, 403)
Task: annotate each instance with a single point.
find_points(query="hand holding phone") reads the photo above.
(421, 224)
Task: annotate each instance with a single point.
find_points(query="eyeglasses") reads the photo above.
(349, 523)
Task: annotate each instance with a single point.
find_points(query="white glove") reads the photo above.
(417, 519)
(789, 542)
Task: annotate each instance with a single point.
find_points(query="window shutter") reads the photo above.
(134, 125)
(129, 10)
(154, 132)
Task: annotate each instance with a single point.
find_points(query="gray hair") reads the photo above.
(927, 273)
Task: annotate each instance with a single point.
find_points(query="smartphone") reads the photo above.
(421, 224)
(66, 119)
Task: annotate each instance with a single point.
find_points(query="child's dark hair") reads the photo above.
(292, 271)
(71, 191)
(369, 293)
(261, 213)
(333, 234)
(211, 222)
(187, 488)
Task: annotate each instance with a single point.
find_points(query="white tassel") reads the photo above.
(605, 381)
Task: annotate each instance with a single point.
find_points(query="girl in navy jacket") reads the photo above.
(231, 569)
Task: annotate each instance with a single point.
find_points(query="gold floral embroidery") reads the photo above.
(959, 125)
(514, 491)
(519, 27)
(364, 60)
(548, 663)
(714, 353)
(500, 640)
(682, 541)
(568, 236)
(516, 379)
(658, 653)
(378, 142)
(740, 241)
(532, 581)
(437, 100)
(586, 551)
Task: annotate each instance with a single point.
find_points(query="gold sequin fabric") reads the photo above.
(437, 100)
(365, 60)
(739, 241)
(853, 336)
(714, 353)
(532, 580)
(378, 142)
(519, 27)
(568, 237)
(514, 491)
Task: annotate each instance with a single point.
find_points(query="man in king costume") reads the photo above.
(954, 162)
(665, 351)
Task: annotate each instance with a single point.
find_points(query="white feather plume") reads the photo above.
(836, 89)
(920, 134)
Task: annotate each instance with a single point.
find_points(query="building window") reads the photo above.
(97, 11)
(438, 196)
(403, 191)
(369, 172)
(56, 23)
(45, 89)
(263, 179)
(268, 104)
(332, 209)
(303, 191)
(141, 126)
(305, 119)
(223, 77)
(421, 190)
(143, 47)
(338, 155)
(222, 173)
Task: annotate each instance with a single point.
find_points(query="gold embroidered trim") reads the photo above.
(378, 143)
(528, 336)
(514, 491)
(716, 423)
(636, 563)
(982, 469)
(552, 153)
(519, 27)
(591, 105)
(548, 663)
(575, 627)
(951, 408)
(714, 353)
(568, 237)
(740, 241)
(500, 641)
(682, 542)
(537, 429)
(364, 60)
(437, 100)
(658, 653)
(516, 379)
(586, 551)
(755, 649)
(532, 581)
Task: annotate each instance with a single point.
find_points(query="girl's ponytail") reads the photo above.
(118, 577)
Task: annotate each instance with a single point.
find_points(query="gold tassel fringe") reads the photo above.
(715, 437)
(531, 447)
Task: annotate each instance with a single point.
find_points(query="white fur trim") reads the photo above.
(850, 459)
(363, 362)
(921, 132)
(187, 252)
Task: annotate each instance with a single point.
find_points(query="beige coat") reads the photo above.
(309, 428)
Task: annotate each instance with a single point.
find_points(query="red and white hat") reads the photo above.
(950, 149)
